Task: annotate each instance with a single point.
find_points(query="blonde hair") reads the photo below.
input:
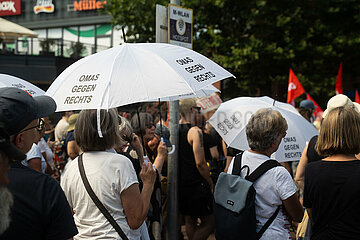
(185, 106)
(264, 128)
(86, 131)
(340, 132)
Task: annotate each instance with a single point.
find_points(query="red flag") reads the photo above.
(294, 87)
(357, 97)
(318, 109)
(338, 85)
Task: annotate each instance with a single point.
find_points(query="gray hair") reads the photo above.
(125, 129)
(86, 131)
(146, 119)
(6, 202)
(264, 128)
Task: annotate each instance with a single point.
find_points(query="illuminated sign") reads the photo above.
(86, 5)
(45, 6)
(10, 7)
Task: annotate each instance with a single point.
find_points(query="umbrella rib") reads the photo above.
(107, 88)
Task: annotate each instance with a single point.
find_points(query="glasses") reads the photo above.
(126, 138)
(40, 126)
(197, 108)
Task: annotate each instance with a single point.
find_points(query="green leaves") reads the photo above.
(258, 41)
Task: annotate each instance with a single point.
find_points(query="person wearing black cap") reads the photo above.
(40, 209)
(306, 109)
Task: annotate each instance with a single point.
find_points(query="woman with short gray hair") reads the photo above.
(265, 128)
(112, 178)
(274, 188)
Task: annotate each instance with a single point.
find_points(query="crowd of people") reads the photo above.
(52, 166)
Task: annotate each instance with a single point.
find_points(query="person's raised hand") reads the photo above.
(162, 149)
(148, 174)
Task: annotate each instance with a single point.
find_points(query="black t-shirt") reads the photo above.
(40, 209)
(332, 191)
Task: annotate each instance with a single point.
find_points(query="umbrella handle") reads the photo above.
(172, 150)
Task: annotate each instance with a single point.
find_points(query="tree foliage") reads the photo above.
(259, 40)
(136, 16)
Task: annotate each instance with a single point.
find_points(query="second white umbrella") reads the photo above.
(232, 116)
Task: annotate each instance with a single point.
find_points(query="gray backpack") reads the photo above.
(234, 203)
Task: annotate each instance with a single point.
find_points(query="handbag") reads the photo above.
(97, 202)
(304, 228)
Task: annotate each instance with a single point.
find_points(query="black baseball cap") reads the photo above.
(18, 108)
(8, 148)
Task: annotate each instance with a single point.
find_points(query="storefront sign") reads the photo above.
(10, 7)
(45, 6)
(86, 5)
(180, 26)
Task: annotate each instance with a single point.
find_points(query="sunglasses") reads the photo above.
(40, 126)
(126, 138)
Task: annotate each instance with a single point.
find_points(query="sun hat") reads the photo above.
(338, 100)
(72, 120)
(308, 104)
(357, 106)
(18, 108)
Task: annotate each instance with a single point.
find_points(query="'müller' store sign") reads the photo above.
(88, 5)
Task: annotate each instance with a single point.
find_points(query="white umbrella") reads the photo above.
(11, 81)
(206, 91)
(232, 116)
(12, 30)
(132, 73)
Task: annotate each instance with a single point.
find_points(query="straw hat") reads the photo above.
(72, 121)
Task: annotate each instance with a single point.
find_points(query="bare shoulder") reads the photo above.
(194, 132)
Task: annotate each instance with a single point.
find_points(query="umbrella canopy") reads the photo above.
(206, 91)
(232, 116)
(10, 30)
(11, 81)
(132, 73)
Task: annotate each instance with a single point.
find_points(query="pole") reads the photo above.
(173, 186)
(172, 225)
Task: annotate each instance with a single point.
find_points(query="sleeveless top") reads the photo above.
(311, 154)
(188, 173)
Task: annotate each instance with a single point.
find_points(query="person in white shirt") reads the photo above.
(265, 130)
(62, 126)
(112, 178)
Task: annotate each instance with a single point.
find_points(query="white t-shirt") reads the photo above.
(34, 152)
(61, 130)
(271, 188)
(109, 174)
(47, 150)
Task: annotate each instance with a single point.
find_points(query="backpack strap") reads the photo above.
(263, 168)
(237, 164)
(258, 172)
(268, 223)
